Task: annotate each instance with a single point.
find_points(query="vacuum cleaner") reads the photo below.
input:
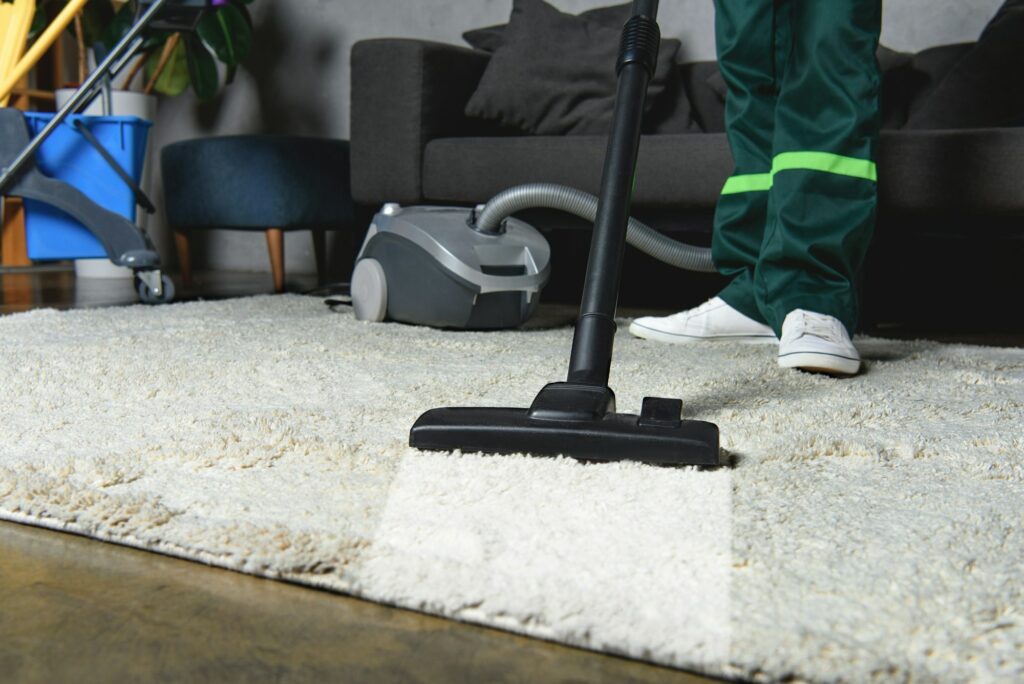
(481, 268)
(576, 417)
(436, 266)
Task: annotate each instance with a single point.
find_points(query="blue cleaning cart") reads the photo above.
(22, 158)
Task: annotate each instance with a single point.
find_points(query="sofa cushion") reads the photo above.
(472, 170)
(554, 73)
(978, 170)
(984, 87)
(922, 171)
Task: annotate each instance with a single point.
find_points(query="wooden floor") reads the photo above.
(77, 610)
(60, 289)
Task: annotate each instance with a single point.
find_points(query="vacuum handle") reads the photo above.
(592, 343)
(647, 8)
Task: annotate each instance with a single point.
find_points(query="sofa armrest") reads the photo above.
(405, 93)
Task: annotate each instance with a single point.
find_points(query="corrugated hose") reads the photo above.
(489, 218)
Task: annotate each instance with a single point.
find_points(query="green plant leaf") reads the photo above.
(97, 16)
(39, 20)
(241, 5)
(155, 40)
(175, 77)
(202, 68)
(111, 31)
(227, 32)
(120, 24)
(42, 17)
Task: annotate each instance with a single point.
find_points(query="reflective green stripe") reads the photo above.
(802, 161)
(751, 182)
(827, 162)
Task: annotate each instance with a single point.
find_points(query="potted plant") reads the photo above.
(170, 62)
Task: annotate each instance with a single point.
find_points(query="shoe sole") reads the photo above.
(646, 333)
(819, 362)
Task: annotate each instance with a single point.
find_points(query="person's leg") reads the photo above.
(745, 34)
(747, 48)
(823, 194)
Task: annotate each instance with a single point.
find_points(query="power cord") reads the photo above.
(334, 294)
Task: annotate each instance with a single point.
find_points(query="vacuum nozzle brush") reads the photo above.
(573, 420)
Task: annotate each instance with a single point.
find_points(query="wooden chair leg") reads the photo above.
(13, 248)
(275, 246)
(184, 257)
(320, 251)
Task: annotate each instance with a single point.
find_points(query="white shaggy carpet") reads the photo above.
(870, 529)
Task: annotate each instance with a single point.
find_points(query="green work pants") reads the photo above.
(794, 221)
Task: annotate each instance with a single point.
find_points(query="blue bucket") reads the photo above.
(67, 156)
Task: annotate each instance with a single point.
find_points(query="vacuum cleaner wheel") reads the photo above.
(369, 291)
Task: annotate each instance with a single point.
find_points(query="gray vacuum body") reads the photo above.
(428, 266)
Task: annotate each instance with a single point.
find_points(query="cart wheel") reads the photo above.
(146, 295)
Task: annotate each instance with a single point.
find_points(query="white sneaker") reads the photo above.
(714, 320)
(817, 343)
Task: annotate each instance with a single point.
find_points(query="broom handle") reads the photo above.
(592, 342)
(39, 48)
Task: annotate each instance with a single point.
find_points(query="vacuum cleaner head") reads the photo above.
(430, 266)
(577, 421)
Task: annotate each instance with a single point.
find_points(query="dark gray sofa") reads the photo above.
(412, 143)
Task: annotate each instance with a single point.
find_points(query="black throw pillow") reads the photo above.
(490, 38)
(706, 91)
(554, 73)
(908, 83)
(984, 88)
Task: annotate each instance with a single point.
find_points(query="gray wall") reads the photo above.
(297, 80)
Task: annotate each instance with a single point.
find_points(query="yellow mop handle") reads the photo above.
(15, 23)
(39, 48)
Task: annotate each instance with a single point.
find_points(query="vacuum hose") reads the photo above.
(488, 219)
